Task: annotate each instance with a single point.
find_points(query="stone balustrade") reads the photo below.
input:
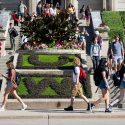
(4, 25)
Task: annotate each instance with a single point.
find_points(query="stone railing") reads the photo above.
(4, 25)
(96, 21)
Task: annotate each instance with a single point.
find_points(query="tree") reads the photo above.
(50, 29)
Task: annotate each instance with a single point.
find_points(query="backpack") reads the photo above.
(14, 32)
(18, 78)
(96, 77)
(82, 76)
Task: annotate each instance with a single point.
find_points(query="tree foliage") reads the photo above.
(49, 29)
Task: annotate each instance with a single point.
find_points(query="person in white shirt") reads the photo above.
(21, 10)
(77, 87)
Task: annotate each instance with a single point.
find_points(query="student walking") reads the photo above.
(21, 10)
(103, 85)
(77, 87)
(11, 87)
(95, 53)
(13, 33)
(122, 86)
(88, 15)
(117, 52)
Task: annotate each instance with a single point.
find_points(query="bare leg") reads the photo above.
(72, 101)
(18, 98)
(7, 92)
(105, 96)
(85, 99)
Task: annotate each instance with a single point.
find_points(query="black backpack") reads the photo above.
(14, 32)
(116, 79)
(96, 77)
(18, 78)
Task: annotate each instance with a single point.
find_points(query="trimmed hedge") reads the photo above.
(113, 20)
(34, 61)
(48, 86)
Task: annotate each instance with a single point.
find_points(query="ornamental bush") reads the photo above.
(41, 61)
(48, 86)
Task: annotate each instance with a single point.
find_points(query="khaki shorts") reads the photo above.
(77, 90)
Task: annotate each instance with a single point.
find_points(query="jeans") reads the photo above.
(95, 60)
(12, 42)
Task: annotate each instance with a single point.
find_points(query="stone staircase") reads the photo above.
(57, 103)
(17, 39)
(4, 59)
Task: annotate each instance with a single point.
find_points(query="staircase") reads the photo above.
(4, 59)
(17, 39)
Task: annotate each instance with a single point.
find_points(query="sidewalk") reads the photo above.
(61, 114)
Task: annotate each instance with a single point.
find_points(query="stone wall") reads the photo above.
(94, 4)
(11, 4)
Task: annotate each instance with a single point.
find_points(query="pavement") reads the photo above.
(61, 114)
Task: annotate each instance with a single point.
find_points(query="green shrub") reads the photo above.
(48, 86)
(113, 20)
(41, 61)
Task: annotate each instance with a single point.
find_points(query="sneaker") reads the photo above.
(2, 109)
(108, 110)
(110, 107)
(70, 108)
(92, 106)
(89, 107)
(24, 107)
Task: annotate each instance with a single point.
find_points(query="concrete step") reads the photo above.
(46, 104)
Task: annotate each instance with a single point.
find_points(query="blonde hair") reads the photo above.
(76, 61)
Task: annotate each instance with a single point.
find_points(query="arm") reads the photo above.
(91, 50)
(122, 50)
(105, 79)
(77, 73)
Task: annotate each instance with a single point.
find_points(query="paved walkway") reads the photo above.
(61, 114)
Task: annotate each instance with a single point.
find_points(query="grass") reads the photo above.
(48, 58)
(58, 79)
(22, 90)
(37, 79)
(45, 58)
(25, 61)
(49, 91)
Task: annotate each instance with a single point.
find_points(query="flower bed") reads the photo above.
(48, 86)
(41, 61)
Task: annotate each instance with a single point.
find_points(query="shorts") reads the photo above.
(102, 85)
(117, 59)
(122, 85)
(21, 14)
(9, 84)
(77, 90)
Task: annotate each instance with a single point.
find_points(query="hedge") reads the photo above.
(113, 20)
(34, 61)
(48, 86)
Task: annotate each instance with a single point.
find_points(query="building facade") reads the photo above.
(115, 5)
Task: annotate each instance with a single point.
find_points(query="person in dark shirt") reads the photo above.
(103, 85)
(122, 86)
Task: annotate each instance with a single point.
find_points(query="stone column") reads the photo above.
(2, 48)
(75, 3)
(32, 6)
(104, 5)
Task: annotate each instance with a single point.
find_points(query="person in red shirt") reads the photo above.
(15, 18)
